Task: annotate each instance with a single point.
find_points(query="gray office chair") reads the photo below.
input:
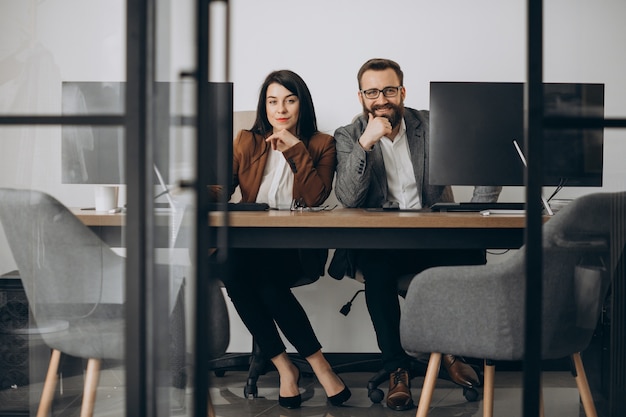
(74, 284)
(478, 311)
(418, 365)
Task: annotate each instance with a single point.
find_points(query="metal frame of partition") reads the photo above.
(533, 106)
(201, 372)
(214, 109)
(140, 389)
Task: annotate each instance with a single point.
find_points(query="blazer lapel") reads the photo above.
(378, 166)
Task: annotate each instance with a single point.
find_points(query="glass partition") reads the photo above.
(581, 43)
(74, 296)
(63, 119)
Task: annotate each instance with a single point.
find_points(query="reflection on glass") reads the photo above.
(92, 154)
(574, 155)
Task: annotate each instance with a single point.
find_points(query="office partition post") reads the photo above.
(533, 119)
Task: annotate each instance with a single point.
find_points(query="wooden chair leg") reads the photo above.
(583, 386)
(210, 409)
(50, 384)
(92, 375)
(488, 387)
(430, 380)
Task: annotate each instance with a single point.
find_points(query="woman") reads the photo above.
(283, 159)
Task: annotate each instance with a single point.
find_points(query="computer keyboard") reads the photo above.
(477, 207)
(242, 207)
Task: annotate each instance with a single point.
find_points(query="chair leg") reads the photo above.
(488, 387)
(256, 368)
(91, 384)
(210, 409)
(583, 386)
(430, 380)
(50, 384)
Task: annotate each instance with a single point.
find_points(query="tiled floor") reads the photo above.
(560, 397)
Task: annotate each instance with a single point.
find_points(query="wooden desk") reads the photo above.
(94, 218)
(358, 228)
(351, 228)
(107, 226)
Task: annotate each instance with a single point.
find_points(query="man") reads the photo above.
(383, 157)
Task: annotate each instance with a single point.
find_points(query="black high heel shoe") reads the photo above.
(292, 402)
(344, 395)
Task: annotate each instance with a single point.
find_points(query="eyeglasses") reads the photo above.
(373, 93)
(298, 205)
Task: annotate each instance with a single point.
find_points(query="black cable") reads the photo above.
(347, 306)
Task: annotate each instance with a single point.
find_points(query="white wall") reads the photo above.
(325, 41)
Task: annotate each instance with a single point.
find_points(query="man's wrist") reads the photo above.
(366, 148)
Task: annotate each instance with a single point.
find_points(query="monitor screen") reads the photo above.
(95, 154)
(473, 126)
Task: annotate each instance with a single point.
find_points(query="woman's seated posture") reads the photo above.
(283, 159)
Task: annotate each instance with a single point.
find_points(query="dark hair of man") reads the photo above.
(380, 64)
(307, 122)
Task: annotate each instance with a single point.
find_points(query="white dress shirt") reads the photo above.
(400, 176)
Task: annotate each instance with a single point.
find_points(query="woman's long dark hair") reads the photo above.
(307, 122)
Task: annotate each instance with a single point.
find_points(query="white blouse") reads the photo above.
(277, 184)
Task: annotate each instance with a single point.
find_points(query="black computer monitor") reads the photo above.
(473, 126)
(95, 154)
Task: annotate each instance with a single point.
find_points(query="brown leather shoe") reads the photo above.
(460, 372)
(399, 395)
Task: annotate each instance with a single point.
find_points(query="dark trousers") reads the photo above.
(381, 270)
(259, 285)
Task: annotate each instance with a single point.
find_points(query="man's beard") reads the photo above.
(395, 117)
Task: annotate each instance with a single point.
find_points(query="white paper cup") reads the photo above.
(106, 197)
